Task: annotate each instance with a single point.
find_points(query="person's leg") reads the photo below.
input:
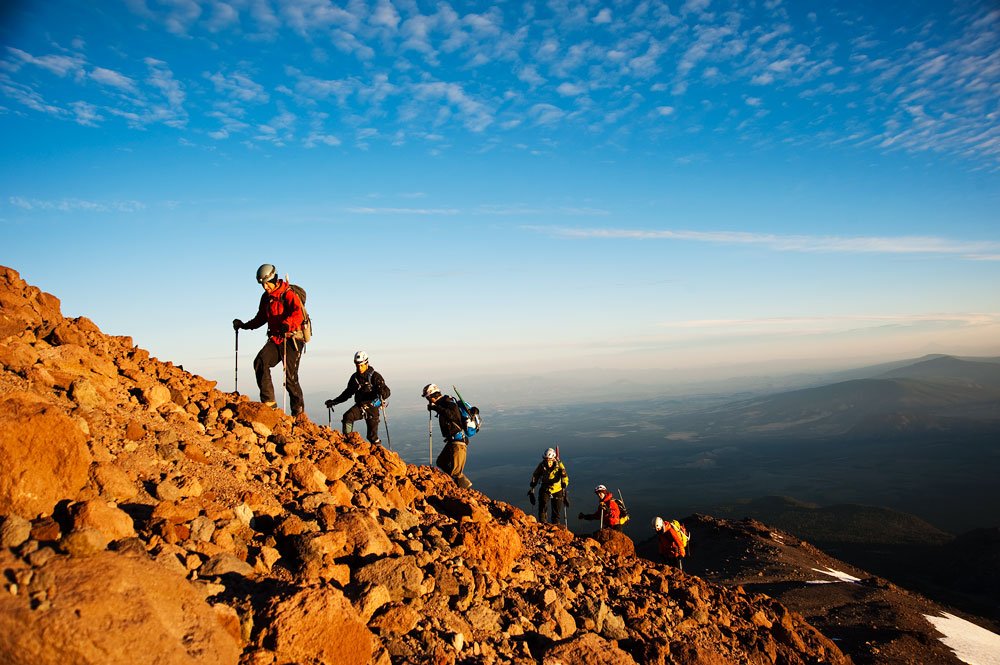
(458, 466)
(267, 357)
(356, 412)
(446, 459)
(557, 507)
(371, 420)
(293, 354)
(543, 502)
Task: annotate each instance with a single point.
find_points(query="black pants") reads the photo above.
(268, 357)
(556, 500)
(357, 412)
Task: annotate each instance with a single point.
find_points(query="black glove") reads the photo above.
(330, 403)
(237, 324)
(531, 496)
(581, 516)
(430, 408)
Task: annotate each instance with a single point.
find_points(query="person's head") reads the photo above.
(601, 491)
(267, 277)
(549, 456)
(658, 524)
(431, 393)
(361, 361)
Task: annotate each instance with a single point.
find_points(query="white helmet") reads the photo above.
(429, 390)
(360, 358)
(658, 523)
(599, 489)
(550, 453)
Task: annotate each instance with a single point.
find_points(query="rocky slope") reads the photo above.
(148, 517)
(871, 619)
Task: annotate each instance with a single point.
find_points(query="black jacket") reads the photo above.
(366, 387)
(450, 418)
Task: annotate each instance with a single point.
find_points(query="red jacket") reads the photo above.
(607, 511)
(281, 309)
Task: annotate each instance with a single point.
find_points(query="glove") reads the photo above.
(580, 516)
(531, 496)
(429, 408)
(237, 324)
(330, 403)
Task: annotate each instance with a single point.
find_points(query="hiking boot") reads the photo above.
(273, 405)
(377, 441)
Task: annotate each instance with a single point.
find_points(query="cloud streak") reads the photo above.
(920, 245)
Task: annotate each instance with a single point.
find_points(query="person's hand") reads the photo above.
(580, 516)
(237, 324)
(429, 408)
(330, 403)
(531, 496)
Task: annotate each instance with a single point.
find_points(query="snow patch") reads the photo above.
(971, 644)
(842, 576)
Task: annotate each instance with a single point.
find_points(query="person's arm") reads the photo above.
(346, 395)
(261, 317)
(380, 387)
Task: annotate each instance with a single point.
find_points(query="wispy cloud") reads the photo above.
(403, 211)
(925, 245)
(75, 205)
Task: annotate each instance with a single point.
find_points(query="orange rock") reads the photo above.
(57, 466)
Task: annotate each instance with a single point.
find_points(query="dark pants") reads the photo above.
(557, 502)
(268, 357)
(452, 461)
(357, 412)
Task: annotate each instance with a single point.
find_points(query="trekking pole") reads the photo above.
(284, 371)
(236, 368)
(430, 440)
(329, 417)
(386, 419)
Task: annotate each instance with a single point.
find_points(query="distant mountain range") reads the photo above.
(934, 393)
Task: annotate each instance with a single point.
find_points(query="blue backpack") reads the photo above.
(471, 422)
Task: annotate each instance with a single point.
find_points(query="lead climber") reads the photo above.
(452, 458)
(282, 310)
(370, 393)
(551, 475)
(608, 511)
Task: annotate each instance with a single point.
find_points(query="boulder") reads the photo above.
(106, 609)
(318, 625)
(494, 548)
(103, 516)
(587, 648)
(43, 455)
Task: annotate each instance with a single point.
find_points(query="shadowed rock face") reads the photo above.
(155, 514)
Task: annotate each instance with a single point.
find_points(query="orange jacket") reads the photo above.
(669, 541)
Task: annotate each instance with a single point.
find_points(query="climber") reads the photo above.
(672, 539)
(551, 473)
(452, 458)
(282, 310)
(370, 393)
(608, 510)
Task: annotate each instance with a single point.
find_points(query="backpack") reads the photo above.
(623, 515)
(305, 333)
(471, 422)
(682, 532)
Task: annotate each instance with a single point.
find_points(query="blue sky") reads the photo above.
(512, 187)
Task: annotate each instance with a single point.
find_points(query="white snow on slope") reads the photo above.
(971, 644)
(842, 576)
